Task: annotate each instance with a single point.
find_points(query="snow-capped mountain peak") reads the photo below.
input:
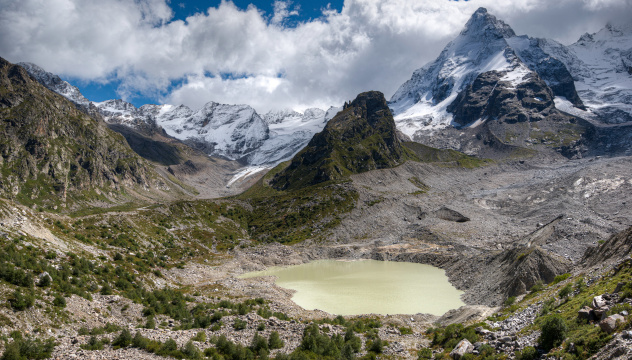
(486, 24)
(485, 44)
(55, 83)
(422, 101)
(605, 81)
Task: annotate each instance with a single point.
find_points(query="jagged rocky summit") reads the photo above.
(359, 138)
(497, 87)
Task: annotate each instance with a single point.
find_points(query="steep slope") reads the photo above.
(233, 132)
(616, 248)
(360, 138)
(56, 84)
(290, 131)
(53, 153)
(603, 70)
(230, 131)
(489, 76)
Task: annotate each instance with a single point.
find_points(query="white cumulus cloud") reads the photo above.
(233, 55)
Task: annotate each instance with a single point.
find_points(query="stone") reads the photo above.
(586, 313)
(624, 313)
(505, 339)
(462, 348)
(619, 287)
(609, 324)
(598, 302)
(601, 312)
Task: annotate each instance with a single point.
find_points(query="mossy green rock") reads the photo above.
(360, 138)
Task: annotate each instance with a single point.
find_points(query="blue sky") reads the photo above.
(307, 9)
(285, 54)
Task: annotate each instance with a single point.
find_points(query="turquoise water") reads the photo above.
(367, 286)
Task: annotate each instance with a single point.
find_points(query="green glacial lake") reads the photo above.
(367, 286)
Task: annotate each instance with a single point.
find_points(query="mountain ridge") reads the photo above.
(53, 154)
(360, 138)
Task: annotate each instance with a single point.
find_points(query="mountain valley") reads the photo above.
(505, 162)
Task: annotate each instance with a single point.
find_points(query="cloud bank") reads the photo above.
(232, 55)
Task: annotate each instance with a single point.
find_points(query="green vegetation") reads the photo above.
(317, 344)
(558, 321)
(445, 339)
(510, 300)
(554, 331)
(94, 344)
(528, 353)
(168, 348)
(449, 336)
(291, 217)
(449, 158)
(560, 278)
(22, 348)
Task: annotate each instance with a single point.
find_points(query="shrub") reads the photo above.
(258, 343)
(377, 345)
(560, 278)
(424, 353)
(566, 290)
(151, 323)
(537, 286)
(22, 348)
(169, 345)
(353, 340)
(547, 306)
(106, 290)
(59, 301)
(20, 302)
(554, 331)
(510, 300)
(139, 341)
(123, 340)
(274, 341)
(239, 324)
(44, 281)
(200, 337)
(528, 353)
(93, 344)
(190, 351)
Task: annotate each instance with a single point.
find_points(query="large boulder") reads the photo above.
(609, 324)
(586, 313)
(598, 301)
(462, 348)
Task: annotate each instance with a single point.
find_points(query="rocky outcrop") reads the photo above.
(360, 138)
(617, 247)
(491, 97)
(504, 273)
(518, 112)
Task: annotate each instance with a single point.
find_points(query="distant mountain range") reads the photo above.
(234, 132)
(487, 83)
